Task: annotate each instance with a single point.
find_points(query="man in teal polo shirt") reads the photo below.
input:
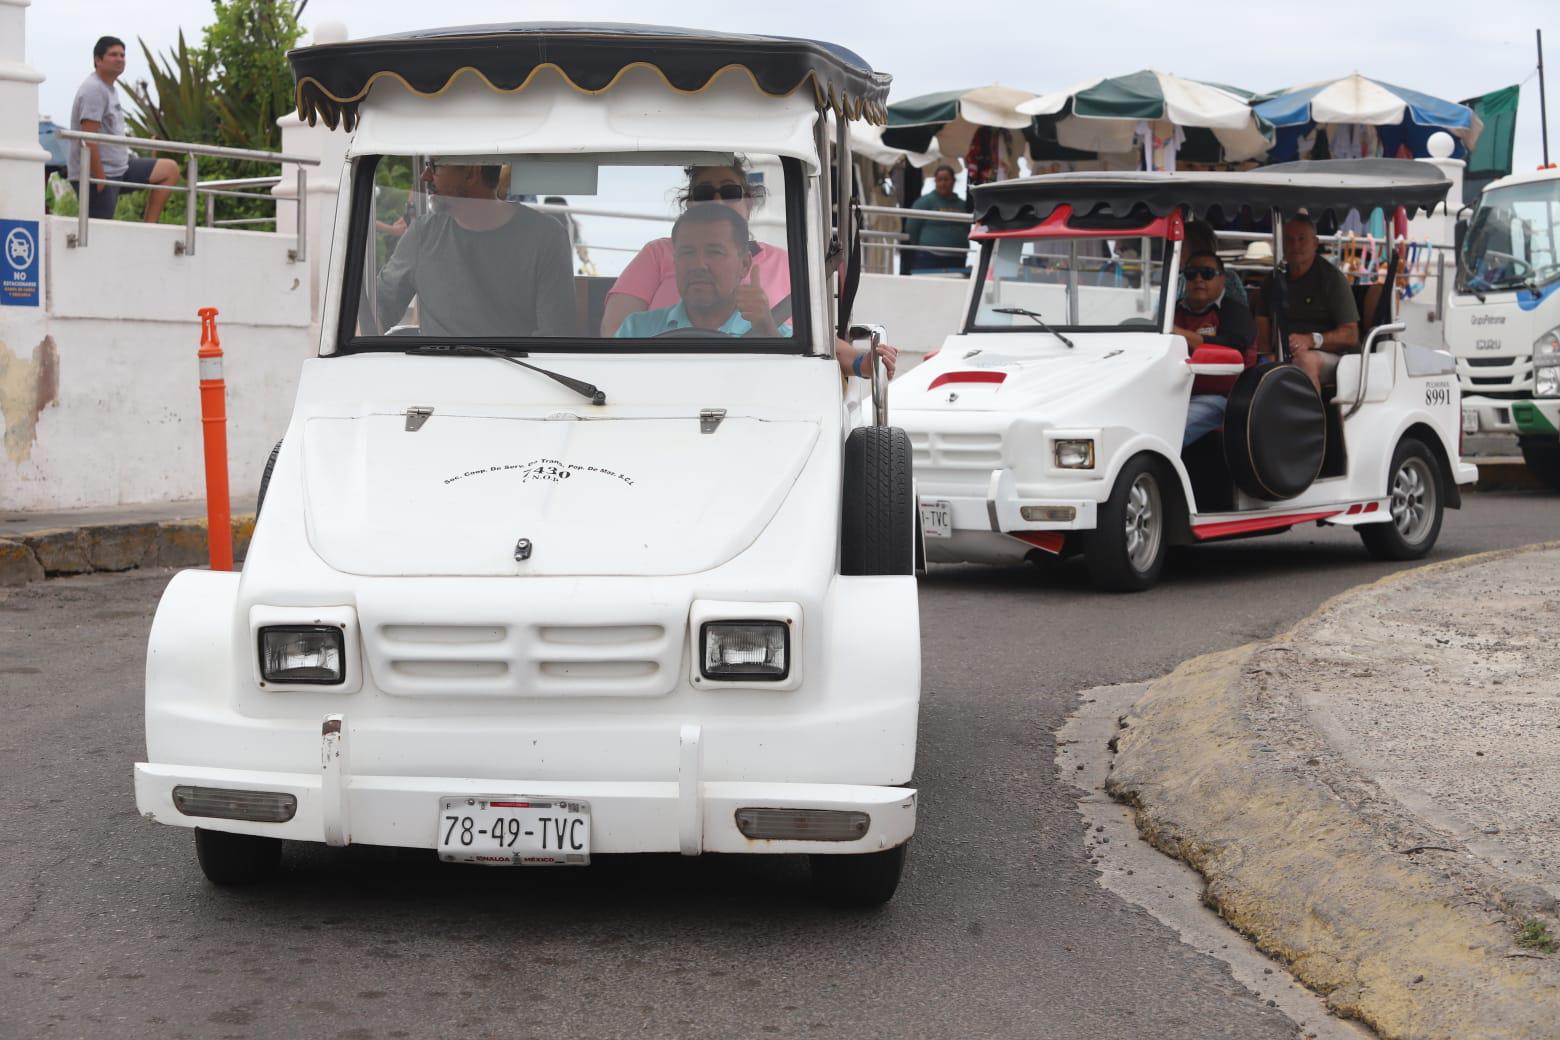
(716, 279)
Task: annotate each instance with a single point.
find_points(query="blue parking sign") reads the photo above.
(18, 263)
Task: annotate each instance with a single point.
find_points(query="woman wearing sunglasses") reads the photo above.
(650, 279)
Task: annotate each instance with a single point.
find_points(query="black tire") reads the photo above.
(860, 881)
(1542, 455)
(265, 477)
(877, 521)
(237, 859)
(1126, 550)
(1418, 498)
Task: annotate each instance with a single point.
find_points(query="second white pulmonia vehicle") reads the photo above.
(1052, 424)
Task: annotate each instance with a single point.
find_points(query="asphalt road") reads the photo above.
(999, 930)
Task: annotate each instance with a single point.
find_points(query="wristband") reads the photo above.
(856, 366)
(1316, 337)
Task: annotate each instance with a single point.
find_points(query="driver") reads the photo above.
(717, 281)
(479, 266)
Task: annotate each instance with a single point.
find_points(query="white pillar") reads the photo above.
(23, 305)
(323, 181)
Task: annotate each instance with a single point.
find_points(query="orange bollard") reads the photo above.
(213, 419)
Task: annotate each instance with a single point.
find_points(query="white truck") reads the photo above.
(1503, 319)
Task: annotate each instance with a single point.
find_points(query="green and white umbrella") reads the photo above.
(1102, 115)
(950, 118)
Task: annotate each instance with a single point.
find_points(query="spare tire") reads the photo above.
(877, 521)
(1275, 432)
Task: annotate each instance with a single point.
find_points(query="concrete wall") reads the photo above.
(104, 409)
(918, 311)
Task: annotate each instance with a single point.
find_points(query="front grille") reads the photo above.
(525, 660)
(1489, 362)
(1495, 376)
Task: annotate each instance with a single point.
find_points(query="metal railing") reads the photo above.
(192, 185)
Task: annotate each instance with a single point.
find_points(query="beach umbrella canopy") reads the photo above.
(1402, 116)
(1101, 115)
(951, 117)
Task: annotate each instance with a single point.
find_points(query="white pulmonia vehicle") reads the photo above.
(1503, 321)
(531, 583)
(1053, 423)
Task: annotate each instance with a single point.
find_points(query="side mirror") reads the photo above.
(1216, 361)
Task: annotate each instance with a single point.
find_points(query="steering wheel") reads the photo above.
(693, 331)
(1515, 267)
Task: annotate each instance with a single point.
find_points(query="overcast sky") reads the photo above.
(1449, 49)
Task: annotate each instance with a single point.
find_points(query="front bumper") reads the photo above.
(991, 528)
(1535, 416)
(688, 815)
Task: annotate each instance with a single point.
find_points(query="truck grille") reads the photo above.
(526, 660)
(1495, 375)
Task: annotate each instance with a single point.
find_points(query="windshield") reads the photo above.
(1511, 239)
(592, 251)
(1083, 284)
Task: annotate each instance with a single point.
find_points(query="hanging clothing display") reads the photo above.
(1160, 142)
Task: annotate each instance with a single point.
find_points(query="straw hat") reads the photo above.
(1259, 251)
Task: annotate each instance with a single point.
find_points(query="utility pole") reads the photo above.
(1543, 110)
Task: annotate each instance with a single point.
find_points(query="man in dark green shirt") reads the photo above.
(1323, 322)
(945, 234)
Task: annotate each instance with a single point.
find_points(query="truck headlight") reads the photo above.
(1546, 349)
(1073, 454)
(1546, 381)
(303, 655)
(745, 651)
(1546, 364)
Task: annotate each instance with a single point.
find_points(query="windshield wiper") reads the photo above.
(579, 386)
(1038, 320)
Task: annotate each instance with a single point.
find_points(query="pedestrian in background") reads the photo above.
(944, 234)
(96, 111)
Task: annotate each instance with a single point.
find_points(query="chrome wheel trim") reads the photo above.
(1413, 499)
(1144, 522)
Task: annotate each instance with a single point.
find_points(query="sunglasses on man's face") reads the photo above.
(711, 192)
(1204, 273)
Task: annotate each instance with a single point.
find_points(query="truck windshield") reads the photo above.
(598, 251)
(1510, 242)
(1075, 284)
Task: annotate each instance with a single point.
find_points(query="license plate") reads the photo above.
(936, 518)
(1470, 420)
(514, 830)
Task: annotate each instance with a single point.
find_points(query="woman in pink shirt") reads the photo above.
(650, 280)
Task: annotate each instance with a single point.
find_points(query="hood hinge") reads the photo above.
(709, 419)
(416, 416)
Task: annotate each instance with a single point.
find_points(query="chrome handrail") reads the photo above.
(1392, 328)
(192, 185)
(875, 334)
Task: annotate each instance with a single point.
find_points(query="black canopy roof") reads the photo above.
(334, 77)
(1326, 187)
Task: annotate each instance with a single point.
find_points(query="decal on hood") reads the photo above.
(550, 470)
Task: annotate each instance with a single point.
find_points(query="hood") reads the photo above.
(978, 374)
(620, 496)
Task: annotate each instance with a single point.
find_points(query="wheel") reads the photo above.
(1415, 490)
(265, 476)
(865, 879)
(1542, 455)
(878, 521)
(1126, 550)
(237, 859)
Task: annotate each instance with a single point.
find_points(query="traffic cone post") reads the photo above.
(213, 421)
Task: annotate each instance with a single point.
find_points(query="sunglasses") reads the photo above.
(1205, 273)
(711, 192)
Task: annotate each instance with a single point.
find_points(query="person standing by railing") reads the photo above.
(939, 233)
(96, 110)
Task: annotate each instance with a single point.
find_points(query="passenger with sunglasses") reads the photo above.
(649, 282)
(1206, 314)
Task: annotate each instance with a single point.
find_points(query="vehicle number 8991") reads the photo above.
(1437, 394)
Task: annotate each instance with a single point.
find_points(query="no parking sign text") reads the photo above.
(18, 263)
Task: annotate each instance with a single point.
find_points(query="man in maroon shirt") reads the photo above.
(1205, 315)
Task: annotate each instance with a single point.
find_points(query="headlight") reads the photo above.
(303, 655)
(1546, 349)
(1072, 454)
(1546, 381)
(745, 651)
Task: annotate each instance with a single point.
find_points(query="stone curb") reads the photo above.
(111, 547)
(1310, 859)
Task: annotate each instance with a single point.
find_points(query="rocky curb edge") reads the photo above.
(1311, 859)
(111, 547)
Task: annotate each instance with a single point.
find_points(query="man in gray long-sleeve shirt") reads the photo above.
(479, 266)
